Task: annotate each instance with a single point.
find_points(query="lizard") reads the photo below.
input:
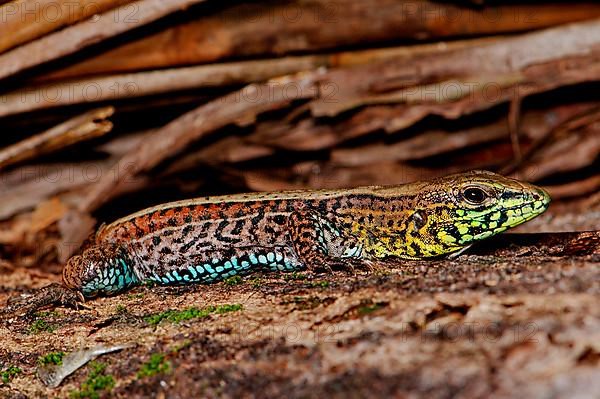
(209, 239)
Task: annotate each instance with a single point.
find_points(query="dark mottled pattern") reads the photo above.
(212, 238)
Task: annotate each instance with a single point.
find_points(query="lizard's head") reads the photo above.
(459, 209)
(100, 269)
(452, 212)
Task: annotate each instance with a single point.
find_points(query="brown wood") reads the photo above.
(93, 30)
(83, 127)
(305, 26)
(133, 85)
(460, 73)
(26, 20)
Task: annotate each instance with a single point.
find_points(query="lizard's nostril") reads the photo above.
(538, 194)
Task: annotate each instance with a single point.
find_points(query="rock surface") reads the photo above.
(502, 321)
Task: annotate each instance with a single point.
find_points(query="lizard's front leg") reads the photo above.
(320, 244)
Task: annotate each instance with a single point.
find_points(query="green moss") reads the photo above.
(233, 280)
(177, 316)
(234, 307)
(156, 365)
(294, 276)
(320, 284)
(181, 345)
(41, 324)
(51, 358)
(9, 373)
(256, 282)
(121, 309)
(96, 385)
(364, 310)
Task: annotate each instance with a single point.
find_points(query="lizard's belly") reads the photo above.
(209, 250)
(215, 266)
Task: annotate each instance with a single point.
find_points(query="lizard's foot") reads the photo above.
(350, 265)
(456, 254)
(50, 295)
(368, 265)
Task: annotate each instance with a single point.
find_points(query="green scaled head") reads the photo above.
(480, 204)
(445, 215)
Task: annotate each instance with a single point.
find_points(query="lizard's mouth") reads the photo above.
(516, 210)
(537, 202)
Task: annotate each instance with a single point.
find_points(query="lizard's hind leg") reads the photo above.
(320, 244)
(100, 269)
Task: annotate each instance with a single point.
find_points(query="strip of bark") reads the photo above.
(26, 20)
(576, 188)
(86, 33)
(449, 77)
(141, 84)
(122, 86)
(270, 28)
(535, 125)
(80, 128)
(576, 151)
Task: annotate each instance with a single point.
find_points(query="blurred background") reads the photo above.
(108, 106)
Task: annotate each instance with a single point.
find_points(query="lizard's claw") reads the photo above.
(369, 266)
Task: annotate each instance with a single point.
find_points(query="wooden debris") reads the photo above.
(26, 20)
(84, 127)
(258, 29)
(93, 30)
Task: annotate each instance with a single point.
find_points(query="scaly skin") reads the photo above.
(208, 239)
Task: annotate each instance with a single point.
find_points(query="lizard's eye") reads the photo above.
(474, 195)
